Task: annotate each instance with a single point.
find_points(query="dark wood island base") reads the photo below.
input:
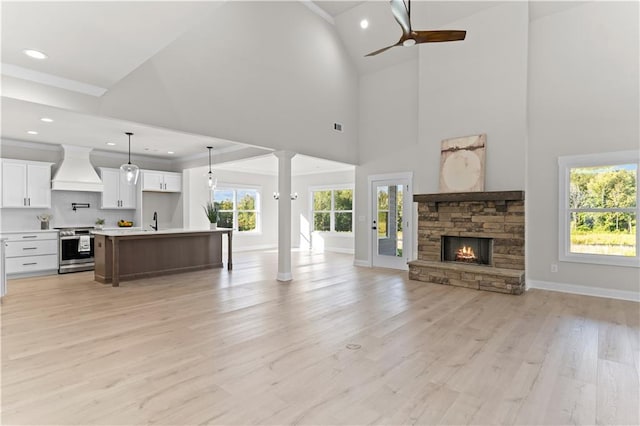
(123, 256)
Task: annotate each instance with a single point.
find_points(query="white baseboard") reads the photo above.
(339, 250)
(284, 276)
(633, 296)
(365, 263)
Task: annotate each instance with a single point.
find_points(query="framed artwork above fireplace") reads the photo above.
(462, 164)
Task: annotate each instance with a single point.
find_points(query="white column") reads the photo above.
(284, 214)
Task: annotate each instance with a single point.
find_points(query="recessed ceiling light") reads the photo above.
(170, 152)
(47, 119)
(111, 143)
(32, 132)
(364, 24)
(35, 54)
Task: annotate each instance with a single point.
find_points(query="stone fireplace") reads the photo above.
(471, 239)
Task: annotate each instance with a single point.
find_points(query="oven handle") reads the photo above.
(74, 237)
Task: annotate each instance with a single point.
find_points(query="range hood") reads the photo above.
(76, 173)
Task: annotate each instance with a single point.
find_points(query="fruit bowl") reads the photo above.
(125, 224)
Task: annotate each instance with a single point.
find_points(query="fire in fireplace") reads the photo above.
(467, 249)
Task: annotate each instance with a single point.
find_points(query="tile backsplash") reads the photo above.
(63, 215)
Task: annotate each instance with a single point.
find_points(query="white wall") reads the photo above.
(198, 195)
(478, 86)
(388, 120)
(280, 80)
(583, 99)
(63, 215)
(566, 83)
(302, 222)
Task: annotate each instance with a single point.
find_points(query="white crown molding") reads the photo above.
(633, 296)
(32, 145)
(124, 155)
(318, 11)
(214, 152)
(52, 80)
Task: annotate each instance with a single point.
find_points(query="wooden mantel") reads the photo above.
(469, 196)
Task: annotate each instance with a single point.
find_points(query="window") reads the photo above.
(599, 208)
(239, 208)
(332, 210)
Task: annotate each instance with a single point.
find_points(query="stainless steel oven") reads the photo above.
(75, 249)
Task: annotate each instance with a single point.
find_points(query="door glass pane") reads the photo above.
(383, 218)
(389, 214)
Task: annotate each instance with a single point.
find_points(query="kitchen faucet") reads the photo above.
(155, 218)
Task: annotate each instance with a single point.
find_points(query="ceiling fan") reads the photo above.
(402, 14)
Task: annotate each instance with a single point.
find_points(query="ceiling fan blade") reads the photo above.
(438, 36)
(401, 14)
(383, 49)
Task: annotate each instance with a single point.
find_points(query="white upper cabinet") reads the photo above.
(161, 181)
(26, 184)
(117, 194)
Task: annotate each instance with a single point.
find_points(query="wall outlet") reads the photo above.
(554, 267)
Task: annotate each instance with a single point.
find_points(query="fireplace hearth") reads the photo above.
(473, 240)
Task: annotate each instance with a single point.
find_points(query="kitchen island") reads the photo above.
(122, 255)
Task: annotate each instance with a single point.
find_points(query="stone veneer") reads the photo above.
(497, 215)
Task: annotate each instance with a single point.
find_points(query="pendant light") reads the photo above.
(211, 179)
(130, 171)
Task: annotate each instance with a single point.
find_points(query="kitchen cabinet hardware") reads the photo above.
(29, 236)
(75, 206)
(30, 248)
(159, 181)
(116, 194)
(30, 263)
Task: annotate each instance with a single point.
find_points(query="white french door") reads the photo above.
(391, 212)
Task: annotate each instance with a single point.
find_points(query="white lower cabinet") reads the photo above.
(31, 252)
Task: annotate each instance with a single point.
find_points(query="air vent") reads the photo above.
(337, 127)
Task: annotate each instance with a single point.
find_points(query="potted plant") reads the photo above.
(211, 210)
(99, 223)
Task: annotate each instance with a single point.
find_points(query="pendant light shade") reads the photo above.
(130, 172)
(211, 179)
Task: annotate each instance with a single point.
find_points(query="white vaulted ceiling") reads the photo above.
(95, 43)
(268, 74)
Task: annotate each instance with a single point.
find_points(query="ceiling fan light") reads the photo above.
(409, 42)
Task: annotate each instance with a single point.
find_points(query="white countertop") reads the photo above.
(124, 232)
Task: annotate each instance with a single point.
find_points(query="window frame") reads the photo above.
(242, 187)
(333, 211)
(565, 164)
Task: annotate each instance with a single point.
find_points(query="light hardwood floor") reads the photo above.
(338, 345)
